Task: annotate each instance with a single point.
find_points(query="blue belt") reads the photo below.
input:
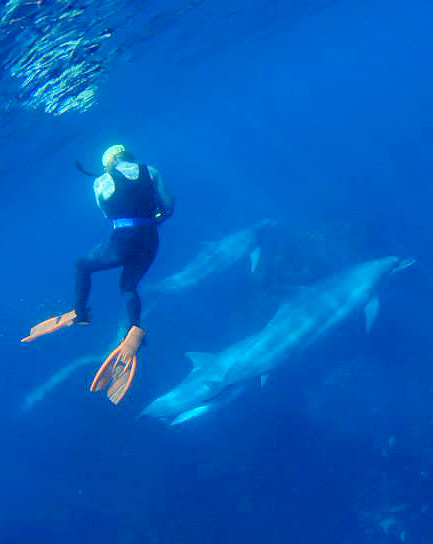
(126, 222)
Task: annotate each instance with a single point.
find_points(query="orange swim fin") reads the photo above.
(51, 325)
(118, 369)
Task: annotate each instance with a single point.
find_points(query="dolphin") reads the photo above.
(298, 322)
(216, 257)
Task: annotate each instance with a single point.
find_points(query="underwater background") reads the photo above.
(316, 114)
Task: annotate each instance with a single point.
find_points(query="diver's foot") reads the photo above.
(50, 325)
(118, 369)
(82, 317)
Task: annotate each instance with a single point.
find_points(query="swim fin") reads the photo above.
(50, 325)
(118, 369)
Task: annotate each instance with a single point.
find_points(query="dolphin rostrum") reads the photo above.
(298, 322)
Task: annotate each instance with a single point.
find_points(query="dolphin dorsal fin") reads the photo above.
(200, 359)
(254, 258)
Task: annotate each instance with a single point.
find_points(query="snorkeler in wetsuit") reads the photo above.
(134, 198)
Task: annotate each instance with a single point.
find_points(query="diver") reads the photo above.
(135, 199)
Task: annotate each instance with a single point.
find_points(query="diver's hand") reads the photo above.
(160, 216)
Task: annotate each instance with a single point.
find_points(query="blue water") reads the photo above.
(316, 114)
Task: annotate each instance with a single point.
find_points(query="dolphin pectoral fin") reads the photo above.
(254, 258)
(200, 359)
(263, 379)
(371, 310)
(190, 414)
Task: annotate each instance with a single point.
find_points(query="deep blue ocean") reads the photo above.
(317, 114)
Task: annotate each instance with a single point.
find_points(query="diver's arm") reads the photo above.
(97, 191)
(165, 198)
(103, 188)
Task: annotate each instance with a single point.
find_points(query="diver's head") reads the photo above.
(114, 154)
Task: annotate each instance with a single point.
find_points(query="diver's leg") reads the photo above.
(102, 257)
(97, 260)
(82, 290)
(133, 307)
(133, 271)
(117, 371)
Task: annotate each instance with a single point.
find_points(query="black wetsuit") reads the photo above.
(132, 248)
